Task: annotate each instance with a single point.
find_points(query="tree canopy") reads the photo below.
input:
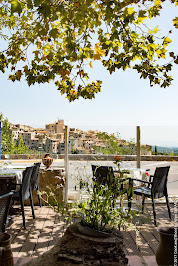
(9, 145)
(58, 40)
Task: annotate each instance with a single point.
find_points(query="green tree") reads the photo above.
(58, 40)
(19, 147)
(156, 152)
(114, 144)
(9, 145)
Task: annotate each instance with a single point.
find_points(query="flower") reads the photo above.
(117, 160)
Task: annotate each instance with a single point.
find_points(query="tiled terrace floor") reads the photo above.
(42, 234)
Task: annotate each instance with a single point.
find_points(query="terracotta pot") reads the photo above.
(47, 161)
(6, 258)
(165, 250)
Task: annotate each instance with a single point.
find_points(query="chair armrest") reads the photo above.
(7, 194)
(15, 184)
(150, 177)
(124, 179)
(143, 181)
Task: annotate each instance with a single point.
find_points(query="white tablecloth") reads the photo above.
(137, 173)
(10, 171)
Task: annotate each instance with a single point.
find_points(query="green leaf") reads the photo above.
(171, 54)
(37, 2)
(16, 7)
(176, 61)
(29, 4)
(54, 33)
(44, 10)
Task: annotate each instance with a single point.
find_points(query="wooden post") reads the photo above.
(66, 163)
(138, 147)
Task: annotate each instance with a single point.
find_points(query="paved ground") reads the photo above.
(83, 168)
(77, 169)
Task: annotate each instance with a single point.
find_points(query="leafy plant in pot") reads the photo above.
(98, 218)
(98, 211)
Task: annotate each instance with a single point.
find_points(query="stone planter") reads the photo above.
(75, 248)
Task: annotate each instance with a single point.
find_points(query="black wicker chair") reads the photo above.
(103, 175)
(34, 179)
(25, 192)
(5, 199)
(157, 190)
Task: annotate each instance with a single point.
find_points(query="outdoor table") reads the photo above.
(8, 174)
(136, 173)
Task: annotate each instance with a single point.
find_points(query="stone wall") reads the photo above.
(92, 157)
(49, 177)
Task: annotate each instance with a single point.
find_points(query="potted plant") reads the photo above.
(95, 239)
(99, 211)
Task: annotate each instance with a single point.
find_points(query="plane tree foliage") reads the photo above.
(59, 40)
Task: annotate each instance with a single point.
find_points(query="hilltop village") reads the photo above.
(52, 139)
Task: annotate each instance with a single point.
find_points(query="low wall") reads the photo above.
(92, 157)
(49, 177)
(104, 157)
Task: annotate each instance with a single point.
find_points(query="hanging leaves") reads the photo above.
(55, 40)
(16, 7)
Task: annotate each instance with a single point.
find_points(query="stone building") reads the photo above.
(57, 127)
(52, 145)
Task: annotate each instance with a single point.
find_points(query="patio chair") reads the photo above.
(103, 175)
(34, 180)
(5, 199)
(25, 192)
(157, 190)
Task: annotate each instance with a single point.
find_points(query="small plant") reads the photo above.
(98, 210)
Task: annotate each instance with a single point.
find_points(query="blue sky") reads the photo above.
(125, 102)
